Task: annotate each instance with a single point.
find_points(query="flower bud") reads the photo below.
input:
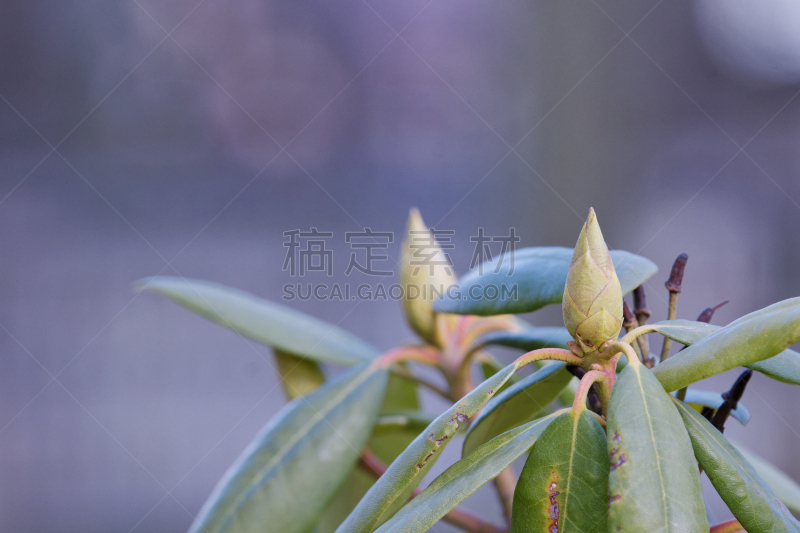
(425, 274)
(592, 302)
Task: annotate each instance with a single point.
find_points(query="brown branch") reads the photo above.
(470, 523)
(505, 483)
(642, 314)
(629, 323)
(673, 285)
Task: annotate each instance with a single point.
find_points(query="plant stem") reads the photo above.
(585, 384)
(673, 304)
(630, 324)
(505, 484)
(552, 354)
(420, 354)
(472, 524)
(732, 398)
(591, 397)
(673, 285)
(642, 314)
(405, 373)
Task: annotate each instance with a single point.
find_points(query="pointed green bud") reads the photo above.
(592, 297)
(425, 274)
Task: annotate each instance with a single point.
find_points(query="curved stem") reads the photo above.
(622, 347)
(405, 373)
(552, 354)
(637, 332)
(579, 404)
(470, 341)
(420, 354)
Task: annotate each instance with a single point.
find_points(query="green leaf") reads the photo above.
(783, 367)
(285, 478)
(786, 488)
(750, 339)
(406, 468)
(263, 321)
(490, 366)
(748, 497)
(399, 423)
(522, 402)
(464, 477)
(539, 274)
(654, 484)
(528, 339)
(698, 399)
(298, 376)
(564, 485)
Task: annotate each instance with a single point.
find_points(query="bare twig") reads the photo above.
(642, 314)
(732, 398)
(629, 323)
(673, 285)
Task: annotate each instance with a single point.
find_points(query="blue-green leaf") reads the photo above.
(406, 469)
(520, 403)
(539, 274)
(783, 367)
(748, 497)
(285, 478)
(787, 489)
(463, 478)
(263, 321)
(750, 339)
(654, 484)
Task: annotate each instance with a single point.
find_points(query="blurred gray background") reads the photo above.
(140, 137)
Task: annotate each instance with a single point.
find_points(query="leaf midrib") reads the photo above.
(655, 448)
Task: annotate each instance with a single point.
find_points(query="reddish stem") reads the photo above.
(371, 463)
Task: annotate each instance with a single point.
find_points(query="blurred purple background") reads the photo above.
(184, 137)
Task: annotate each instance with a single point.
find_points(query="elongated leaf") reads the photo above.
(298, 376)
(520, 403)
(786, 488)
(407, 467)
(698, 399)
(398, 424)
(748, 497)
(654, 484)
(490, 366)
(464, 477)
(528, 339)
(744, 342)
(539, 275)
(283, 481)
(564, 485)
(783, 367)
(263, 321)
